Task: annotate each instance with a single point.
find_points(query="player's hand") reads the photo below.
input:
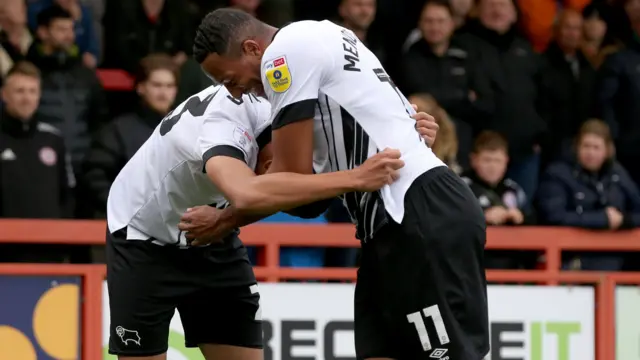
(615, 217)
(427, 127)
(200, 224)
(496, 215)
(515, 216)
(378, 171)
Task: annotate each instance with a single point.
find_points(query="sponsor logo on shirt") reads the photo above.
(278, 74)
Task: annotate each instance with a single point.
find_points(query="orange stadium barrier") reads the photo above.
(270, 237)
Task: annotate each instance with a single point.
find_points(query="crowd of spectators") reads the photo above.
(537, 103)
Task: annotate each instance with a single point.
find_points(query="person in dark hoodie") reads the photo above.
(514, 70)
(591, 191)
(72, 98)
(118, 141)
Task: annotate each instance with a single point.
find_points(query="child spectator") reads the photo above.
(502, 199)
(592, 191)
(446, 145)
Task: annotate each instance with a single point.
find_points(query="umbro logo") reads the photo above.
(439, 354)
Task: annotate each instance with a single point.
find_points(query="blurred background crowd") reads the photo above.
(538, 103)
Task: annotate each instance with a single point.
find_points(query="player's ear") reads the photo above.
(251, 48)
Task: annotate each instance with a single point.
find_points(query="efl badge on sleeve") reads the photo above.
(278, 75)
(244, 139)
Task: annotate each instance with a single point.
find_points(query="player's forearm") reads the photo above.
(231, 218)
(271, 193)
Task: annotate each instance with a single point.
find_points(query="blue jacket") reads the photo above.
(86, 36)
(571, 196)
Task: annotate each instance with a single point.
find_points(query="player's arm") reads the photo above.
(227, 146)
(294, 69)
(270, 193)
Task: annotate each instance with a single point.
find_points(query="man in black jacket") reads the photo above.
(36, 178)
(72, 97)
(567, 90)
(514, 69)
(443, 66)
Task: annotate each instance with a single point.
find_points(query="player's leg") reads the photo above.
(440, 282)
(222, 317)
(155, 357)
(229, 352)
(372, 337)
(140, 302)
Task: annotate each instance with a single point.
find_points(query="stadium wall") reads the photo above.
(58, 311)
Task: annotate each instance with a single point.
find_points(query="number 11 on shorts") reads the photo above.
(417, 320)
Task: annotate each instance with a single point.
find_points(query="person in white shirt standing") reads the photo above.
(421, 290)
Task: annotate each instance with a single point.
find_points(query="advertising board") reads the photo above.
(315, 321)
(39, 317)
(628, 323)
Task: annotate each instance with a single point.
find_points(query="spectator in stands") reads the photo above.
(118, 141)
(593, 191)
(134, 29)
(597, 45)
(357, 16)
(566, 86)
(72, 97)
(619, 91)
(86, 37)
(441, 65)
(15, 37)
(35, 172)
(249, 6)
(502, 199)
(539, 16)
(460, 10)
(514, 68)
(446, 145)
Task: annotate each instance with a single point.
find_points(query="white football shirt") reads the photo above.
(166, 176)
(317, 69)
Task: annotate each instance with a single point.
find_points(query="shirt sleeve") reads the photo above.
(221, 136)
(294, 69)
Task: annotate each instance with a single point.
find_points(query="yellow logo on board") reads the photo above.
(278, 75)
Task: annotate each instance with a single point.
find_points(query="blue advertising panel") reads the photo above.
(39, 317)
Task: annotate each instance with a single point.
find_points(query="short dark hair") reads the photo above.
(439, 3)
(220, 31)
(24, 68)
(154, 62)
(490, 141)
(50, 14)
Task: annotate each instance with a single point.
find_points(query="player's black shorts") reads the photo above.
(421, 290)
(213, 288)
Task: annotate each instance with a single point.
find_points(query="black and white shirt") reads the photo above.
(166, 176)
(317, 69)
